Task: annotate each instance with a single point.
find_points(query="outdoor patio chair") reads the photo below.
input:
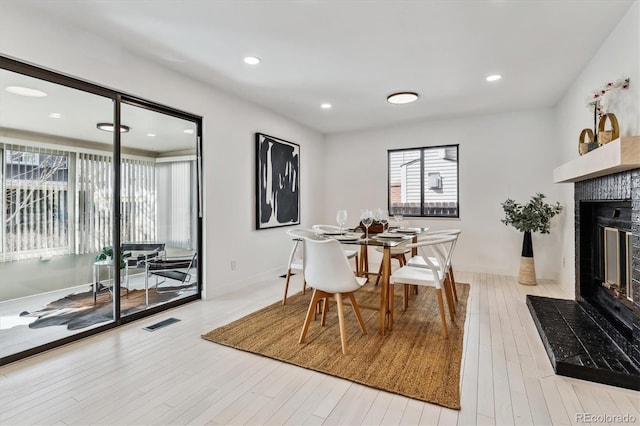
(176, 269)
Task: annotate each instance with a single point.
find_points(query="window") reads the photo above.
(423, 182)
(36, 202)
(46, 191)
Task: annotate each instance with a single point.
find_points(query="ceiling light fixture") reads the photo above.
(326, 106)
(188, 131)
(151, 134)
(494, 77)
(108, 127)
(25, 91)
(402, 97)
(55, 115)
(252, 60)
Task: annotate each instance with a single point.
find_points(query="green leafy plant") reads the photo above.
(535, 216)
(107, 253)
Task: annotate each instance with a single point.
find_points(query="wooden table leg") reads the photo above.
(364, 261)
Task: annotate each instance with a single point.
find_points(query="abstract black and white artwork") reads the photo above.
(278, 182)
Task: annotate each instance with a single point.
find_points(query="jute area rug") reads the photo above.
(413, 359)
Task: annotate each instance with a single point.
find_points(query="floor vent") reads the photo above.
(285, 275)
(163, 323)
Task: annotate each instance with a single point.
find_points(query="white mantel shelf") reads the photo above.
(616, 156)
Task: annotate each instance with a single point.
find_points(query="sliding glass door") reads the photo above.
(158, 208)
(56, 212)
(100, 226)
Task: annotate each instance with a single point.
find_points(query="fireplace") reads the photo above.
(597, 336)
(605, 261)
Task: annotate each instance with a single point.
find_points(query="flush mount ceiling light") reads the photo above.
(326, 106)
(108, 127)
(25, 91)
(402, 97)
(151, 135)
(55, 115)
(252, 60)
(494, 77)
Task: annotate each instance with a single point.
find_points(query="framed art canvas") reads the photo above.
(277, 182)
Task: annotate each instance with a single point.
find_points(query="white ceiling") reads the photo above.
(353, 53)
(80, 112)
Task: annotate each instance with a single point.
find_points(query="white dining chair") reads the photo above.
(295, 256)
(449, 269)
(328, 231)
(421, 271)
(327, 270)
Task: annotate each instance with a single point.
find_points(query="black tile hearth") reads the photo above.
(578, 347)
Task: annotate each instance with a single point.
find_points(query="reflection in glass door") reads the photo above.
(68, 267)
(56, 184)
(158, 206)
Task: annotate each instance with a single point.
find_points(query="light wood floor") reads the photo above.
(172, 376)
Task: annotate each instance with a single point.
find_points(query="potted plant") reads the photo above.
(535, 216)
(107, 254)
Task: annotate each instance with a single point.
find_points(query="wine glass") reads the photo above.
(398, 218)
(366, 217)
(341, 218)
(383, 217)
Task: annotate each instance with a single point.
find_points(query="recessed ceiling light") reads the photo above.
(25, 91)
(402, 97)
(326, 106)
(494, 77)
(252, 60)
(108, 127)
(188, 131)
(55, 115)
(151, 134)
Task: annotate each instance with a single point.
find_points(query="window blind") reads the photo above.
(35, 205)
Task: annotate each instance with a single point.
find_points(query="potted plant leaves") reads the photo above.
(107, 254)
(535, 216)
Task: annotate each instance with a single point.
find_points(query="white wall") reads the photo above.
(619, 56)
(229, 127)
(502, 156)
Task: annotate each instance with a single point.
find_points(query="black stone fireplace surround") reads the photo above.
(597, 336)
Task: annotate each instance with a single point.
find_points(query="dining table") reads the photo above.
(387, 240)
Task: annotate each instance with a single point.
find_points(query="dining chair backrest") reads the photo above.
(438, 247)
(297, 236)
(326, 268)
(436, 232)
(320, 229)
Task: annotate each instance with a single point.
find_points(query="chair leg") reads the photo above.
(318, 309)
(312, 306)
(405, 296)
(447, 291)
(325, 309)
(453, 283)
(379, 274)
(286, 287)
(357, 265)
(356, 309)
(443, 318)
(304, 287)
(343, 331)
